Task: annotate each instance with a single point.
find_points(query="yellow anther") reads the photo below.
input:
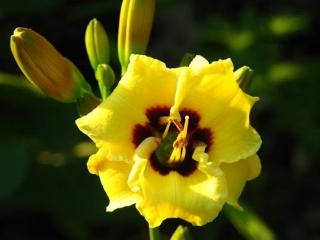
(183, 153)
(179, 146)
(175, 155)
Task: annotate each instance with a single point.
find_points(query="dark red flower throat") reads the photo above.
(154, 127)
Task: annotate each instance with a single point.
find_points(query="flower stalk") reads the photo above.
(154, 233)
(106, 79)
(181, 233)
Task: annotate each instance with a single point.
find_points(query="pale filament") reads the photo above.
(168, 121)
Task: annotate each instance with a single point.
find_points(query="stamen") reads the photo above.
(179, 146)
(175, 155)
(183, 153)
(165, 133)
(168, 121)
(177, 124)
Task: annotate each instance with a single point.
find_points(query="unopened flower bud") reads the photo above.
(45, 67)
(97, 44)
(244, 77)
(106, 79)
(135, 25)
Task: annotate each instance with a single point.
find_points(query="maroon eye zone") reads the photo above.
(141, 132)
(154, 128)
(203, 135)
(154, 114)
(194, 118)
(185, 168)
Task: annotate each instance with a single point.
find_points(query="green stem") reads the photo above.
(123, 70)
(154, 233)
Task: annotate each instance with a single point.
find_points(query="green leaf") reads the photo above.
(283, 25)
(249, 225)
(14, 165)
(17, 81)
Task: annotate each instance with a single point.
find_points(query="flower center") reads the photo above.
(179, 139)
(179, 145)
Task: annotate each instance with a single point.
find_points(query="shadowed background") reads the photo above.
(46, 191)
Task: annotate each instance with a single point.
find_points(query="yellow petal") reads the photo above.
(147, 83)
(198, 62)
(207, 88)
(181, 92)
(197, 198)
(212, 91)
(141, 156)
(113, 176)
(233, 137)
(111, 124)
(237, 174)
(254, 166)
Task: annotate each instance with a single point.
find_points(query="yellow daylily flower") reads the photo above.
(176, 142)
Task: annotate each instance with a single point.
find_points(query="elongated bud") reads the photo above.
(97, 44)
(135, 25)
(106, 79)
(244, 77)
(45, 67)
(181, 233)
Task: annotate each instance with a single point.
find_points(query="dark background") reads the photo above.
(46, 191)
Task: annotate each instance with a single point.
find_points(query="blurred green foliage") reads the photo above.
(248, 224)
(46, 191)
